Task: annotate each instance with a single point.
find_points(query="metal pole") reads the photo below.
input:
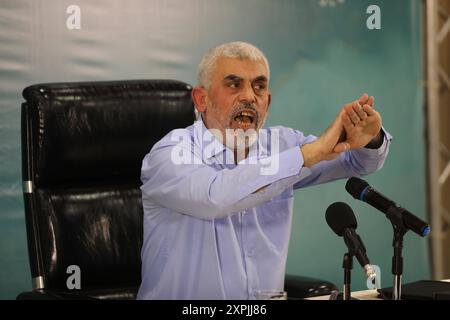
(434, 135)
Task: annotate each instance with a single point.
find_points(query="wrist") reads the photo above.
(376, 142)
(310, 154)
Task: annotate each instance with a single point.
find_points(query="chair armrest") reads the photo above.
(298, 287)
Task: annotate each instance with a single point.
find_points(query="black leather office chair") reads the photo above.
(82, 150)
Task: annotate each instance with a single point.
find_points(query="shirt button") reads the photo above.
(250, 253)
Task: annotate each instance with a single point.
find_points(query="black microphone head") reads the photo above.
(355, 186)
(339, 217)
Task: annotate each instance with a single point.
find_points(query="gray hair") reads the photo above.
(240, 50)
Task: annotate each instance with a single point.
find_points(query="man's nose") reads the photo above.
(247, 94)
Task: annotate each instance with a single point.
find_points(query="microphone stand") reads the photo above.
(347, 264)
(397, 263)
(395, 216)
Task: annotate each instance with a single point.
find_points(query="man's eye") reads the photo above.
(259, 86)
(233, 85)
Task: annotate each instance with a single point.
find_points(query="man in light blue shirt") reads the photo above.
(218, 195)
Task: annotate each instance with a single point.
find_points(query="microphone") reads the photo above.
(399, 216)
(342, 221)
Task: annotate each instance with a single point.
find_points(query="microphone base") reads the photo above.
(340, 296)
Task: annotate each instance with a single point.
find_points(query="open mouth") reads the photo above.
(245, 119)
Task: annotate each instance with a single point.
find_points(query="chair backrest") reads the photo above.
(82, 150)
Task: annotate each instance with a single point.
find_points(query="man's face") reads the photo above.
(238, 96)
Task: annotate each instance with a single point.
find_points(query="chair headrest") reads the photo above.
(100, 131)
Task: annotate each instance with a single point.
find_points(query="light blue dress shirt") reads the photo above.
(216, 230)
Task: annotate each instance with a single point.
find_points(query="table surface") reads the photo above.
(361, 295)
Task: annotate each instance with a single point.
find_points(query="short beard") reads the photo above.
(236, 139)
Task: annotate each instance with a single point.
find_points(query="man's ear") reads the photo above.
(269, 100)
(199, 96)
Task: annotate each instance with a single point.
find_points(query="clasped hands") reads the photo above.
(357, 124)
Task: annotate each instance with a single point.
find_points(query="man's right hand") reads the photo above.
(334, 140)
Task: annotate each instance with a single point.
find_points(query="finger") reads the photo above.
(363, 99)
(369, 110)
(371, 101)
(353, 116)
(359, 111)
(348, 124)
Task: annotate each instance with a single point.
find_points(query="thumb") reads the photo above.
(341, 147)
